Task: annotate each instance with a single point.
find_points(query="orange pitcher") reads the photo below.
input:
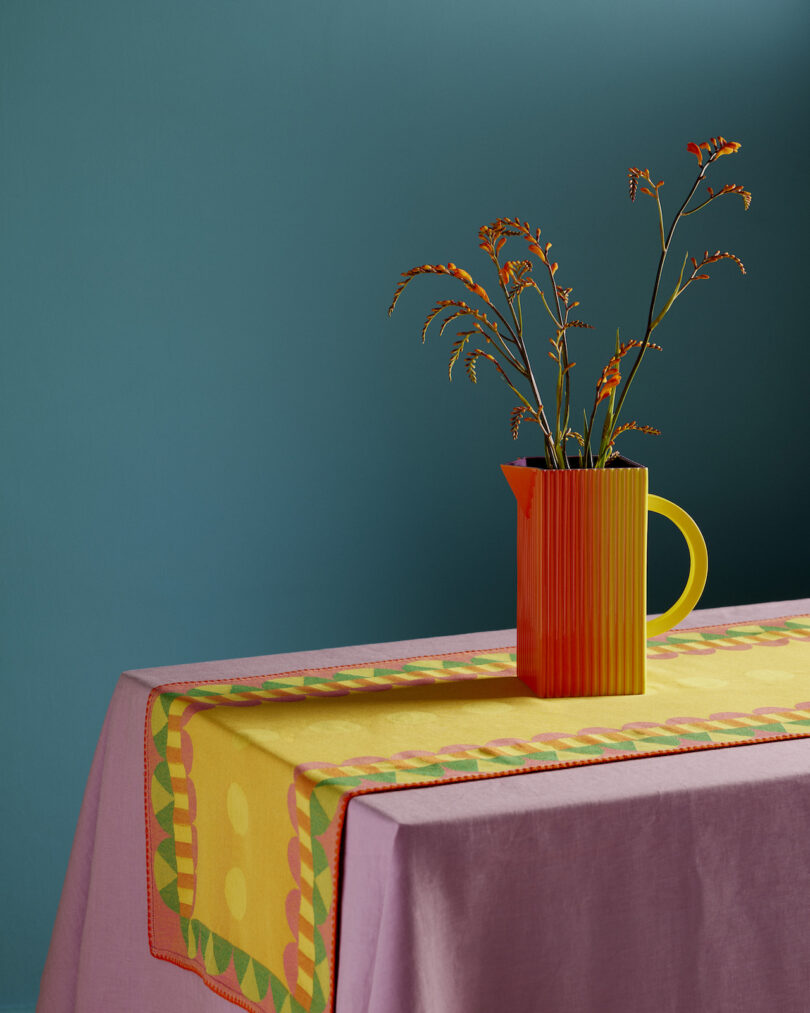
(582, 576)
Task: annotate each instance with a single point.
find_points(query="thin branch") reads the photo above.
(661, 261)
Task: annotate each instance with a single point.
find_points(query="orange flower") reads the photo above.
(717, 146)
(739, 189)
(729, 148)
(460, 273)
(610, 378)
(607, 386)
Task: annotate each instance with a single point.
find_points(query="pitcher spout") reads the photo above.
(521, 479)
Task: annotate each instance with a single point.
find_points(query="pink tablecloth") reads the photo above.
(674, 884)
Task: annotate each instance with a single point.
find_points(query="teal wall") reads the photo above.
(214, 442)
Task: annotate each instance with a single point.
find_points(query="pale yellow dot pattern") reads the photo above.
(261, 736)
(701, 682)
(237, 806)
(487, 707)
(236, 892)
(769, 674)
(411, 718)
(334, 727)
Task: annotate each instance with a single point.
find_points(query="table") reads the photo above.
(677, 883)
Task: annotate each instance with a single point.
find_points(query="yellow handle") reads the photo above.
(698, 565)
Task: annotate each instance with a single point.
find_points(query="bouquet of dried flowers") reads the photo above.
(502, 334)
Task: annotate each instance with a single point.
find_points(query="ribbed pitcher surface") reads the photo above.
(582, 572)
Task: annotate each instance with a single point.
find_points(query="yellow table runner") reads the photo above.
(246, 799)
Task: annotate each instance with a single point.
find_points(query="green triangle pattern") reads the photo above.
(664, 740)
(462, 765)
(166, 851)
(319, 821)
(279, 992)
(170, 897)
(774, 727)
(165, 818)
(161, 739)
(386, 777)
(318, 907)
(347, 781)
(320, 949)
(430, 770)
(544, 757)
(189, 935)
(594, 750)
(162, 776)
(240, 963)
(319, 859)
(256, 981)
(165, 700)
(254, 978)
(507, 761)
(318, 999)
(749, 730)
(221, 950)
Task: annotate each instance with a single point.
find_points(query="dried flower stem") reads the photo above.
(654, 321)
(509, 345)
